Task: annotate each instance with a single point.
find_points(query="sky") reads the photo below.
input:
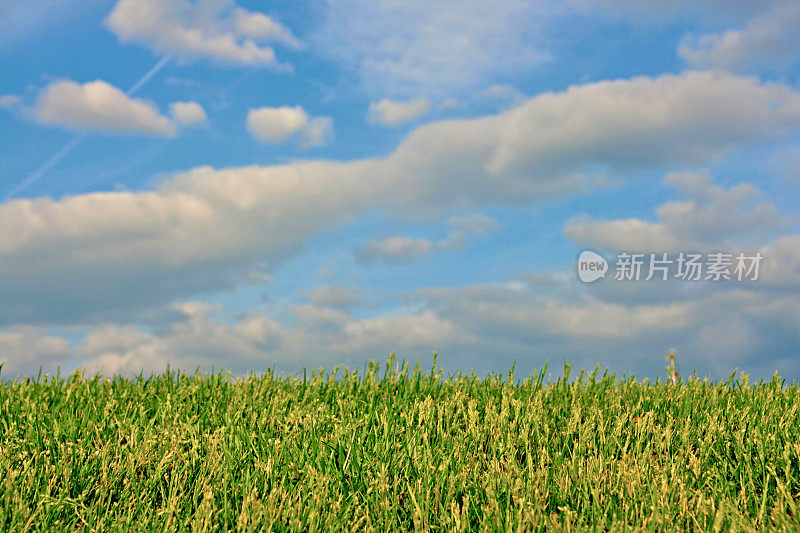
(243, 185)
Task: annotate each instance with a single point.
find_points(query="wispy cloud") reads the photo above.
(451, 46)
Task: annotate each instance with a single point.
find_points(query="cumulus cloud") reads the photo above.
(653, 120)
(188, 113)
(334, 296)
(782, 262)
(531, 318)
(482, 327)
(277, 124)
(396, 249)
(747, 316)
(393, 113)
(112, 254)
(24, 349)
(214, 29)
(196, 230)
(261, 27)
(768, 42)
(399, 249)
(99, 106)
(711, 217)
(712, 332)
(316, 336)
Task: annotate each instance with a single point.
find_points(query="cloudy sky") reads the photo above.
(252, 184)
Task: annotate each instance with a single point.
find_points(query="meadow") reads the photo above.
(395, 447)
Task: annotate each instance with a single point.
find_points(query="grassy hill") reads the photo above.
(397, 448)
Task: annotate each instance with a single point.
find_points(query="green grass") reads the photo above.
(403, 450)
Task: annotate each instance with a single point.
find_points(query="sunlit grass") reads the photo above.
(397, 448)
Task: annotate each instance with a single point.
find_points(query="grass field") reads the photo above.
(405, 449)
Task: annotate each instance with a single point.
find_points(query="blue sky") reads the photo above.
(247, 184)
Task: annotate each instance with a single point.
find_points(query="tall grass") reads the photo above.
(397, 448)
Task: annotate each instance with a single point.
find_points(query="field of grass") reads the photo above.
(402, 449)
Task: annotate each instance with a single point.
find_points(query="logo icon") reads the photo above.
(591, 266)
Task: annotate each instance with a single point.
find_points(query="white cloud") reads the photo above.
(188, 113)
(7, 101)
(393, 113)
(711, 217)
(581, 317)
(24, 349)
(335, 296)
(503, 93)
(782, 262)
(260, 26)
(278, 124)
(480, 326)
(396, 249)
(530, 327)
(714, 327)
(476, 224)
(99, 106)
(689, 118)
(317, 336)
(451, 46)
(399, 249)
(128, 249)
(318, 132)
(554, 143)
(112, 254)
(424, 329)
(630, 234)
(214, 29)
(317, 318)
(768, 42)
